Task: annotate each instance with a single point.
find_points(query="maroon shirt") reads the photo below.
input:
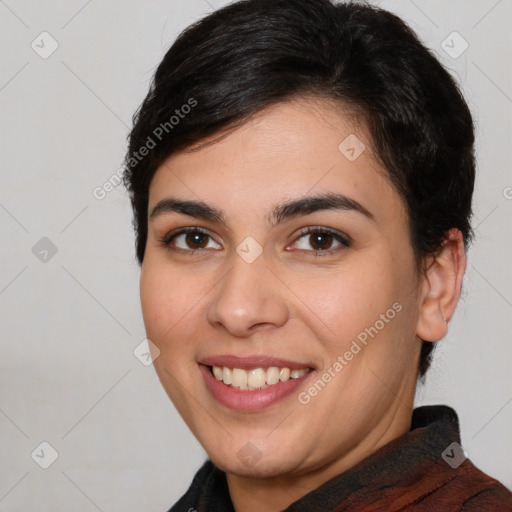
(421, 471)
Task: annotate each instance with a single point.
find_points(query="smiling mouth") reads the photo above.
(256, 378)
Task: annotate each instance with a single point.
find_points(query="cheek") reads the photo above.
(369, 301)
(168, 306)
(167, 300)
(156, 304)
(350, 299)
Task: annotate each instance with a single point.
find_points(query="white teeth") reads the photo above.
(284, 374)
(227, 375)
(295, 374)
(239, 379)
(257, 378)
(217, 371)
(272, 375)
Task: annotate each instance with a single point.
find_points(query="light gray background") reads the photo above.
(69, 325)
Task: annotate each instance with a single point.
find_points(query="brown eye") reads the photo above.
(196, 240)
(321, 240)
(190, 240)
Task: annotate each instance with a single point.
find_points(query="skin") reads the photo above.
(292, 302)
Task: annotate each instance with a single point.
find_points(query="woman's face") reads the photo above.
(297, 276)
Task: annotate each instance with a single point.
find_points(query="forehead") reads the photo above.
(285, 151)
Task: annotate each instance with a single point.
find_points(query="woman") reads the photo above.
(301, 175)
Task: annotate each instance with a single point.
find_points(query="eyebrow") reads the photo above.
(311, 204)
(285, 211)
(197, 209)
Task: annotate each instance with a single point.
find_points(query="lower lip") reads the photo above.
(245, 400)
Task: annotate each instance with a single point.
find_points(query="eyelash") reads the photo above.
(343, 239)
(167, 239)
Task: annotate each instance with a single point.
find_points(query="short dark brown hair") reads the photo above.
(254, 53)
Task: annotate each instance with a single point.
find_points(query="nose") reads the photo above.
(249, 298)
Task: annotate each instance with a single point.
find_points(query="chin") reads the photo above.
(253, 463)
(259, 469)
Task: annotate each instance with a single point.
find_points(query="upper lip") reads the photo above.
(253, 361)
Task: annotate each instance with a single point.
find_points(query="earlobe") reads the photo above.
(442, 281)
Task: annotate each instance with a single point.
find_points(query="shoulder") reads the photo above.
(464, 489)
(480, 491)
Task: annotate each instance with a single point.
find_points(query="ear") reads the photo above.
(442, 281)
